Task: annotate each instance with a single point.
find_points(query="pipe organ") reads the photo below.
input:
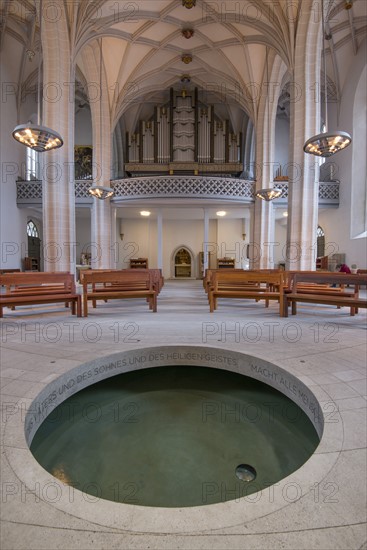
(182, 134)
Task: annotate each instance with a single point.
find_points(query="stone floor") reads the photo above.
(323, 347)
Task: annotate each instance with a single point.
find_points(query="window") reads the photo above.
(320, 241)
(31, 170)
(32, 230)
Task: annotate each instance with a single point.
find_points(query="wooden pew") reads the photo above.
(33, 288)
(346, 297)
(207, 280)
(4, 271)
(118, 285)
(311, 287)
(97, 288)
(257, 285)
(157, 277)
(361, 271)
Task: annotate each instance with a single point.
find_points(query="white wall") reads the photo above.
(229, 240)
(83, 235)
(182, 232)
(140, 240)
(337, 223)
(280, 238)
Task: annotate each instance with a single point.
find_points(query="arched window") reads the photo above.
(320, 241)
(32, 230)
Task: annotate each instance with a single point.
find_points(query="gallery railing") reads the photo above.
(236, 190)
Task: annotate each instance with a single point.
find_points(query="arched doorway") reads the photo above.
(182, 263)
(32, 262)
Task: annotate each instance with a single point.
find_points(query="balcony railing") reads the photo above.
(240, 191)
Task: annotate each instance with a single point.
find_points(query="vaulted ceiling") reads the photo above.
(148, 45)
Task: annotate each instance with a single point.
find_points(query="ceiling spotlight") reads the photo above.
(145, 213)
(221, 213)
(285, 214)
(268, 194)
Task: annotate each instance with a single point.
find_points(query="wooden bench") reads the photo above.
(311, 287)
(34, 288)
(157, 277)
(98, 288)
(207, 280)
(4, 271)
(118, 285)
(257, 285)
(344, 297)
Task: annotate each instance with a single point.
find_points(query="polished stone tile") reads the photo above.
(328, 354)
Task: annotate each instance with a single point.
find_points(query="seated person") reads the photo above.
(343, 268)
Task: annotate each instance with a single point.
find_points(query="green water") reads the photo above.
(173, 437)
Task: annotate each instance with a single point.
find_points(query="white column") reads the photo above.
(206, 239)
(160, 240)
(58, 165)
(305, 122)
(261, 254)
(115, 239)
(102, 151)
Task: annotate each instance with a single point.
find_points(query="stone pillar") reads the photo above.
(261, 254)
(59, 243)
(160, 241)
(115, 248)
(305, 123)
(102, 152)
(206, 240)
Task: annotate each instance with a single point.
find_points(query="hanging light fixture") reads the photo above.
(36, 136)
(100, 191)
(327, 143)
(269, 193)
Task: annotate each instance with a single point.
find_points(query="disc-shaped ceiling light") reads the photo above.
(268, 194)
(327, 143)
(101, 192)
(36, 136)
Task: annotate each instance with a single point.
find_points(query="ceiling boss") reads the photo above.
(189, 4)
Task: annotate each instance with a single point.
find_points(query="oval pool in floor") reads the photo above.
(174, 437)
